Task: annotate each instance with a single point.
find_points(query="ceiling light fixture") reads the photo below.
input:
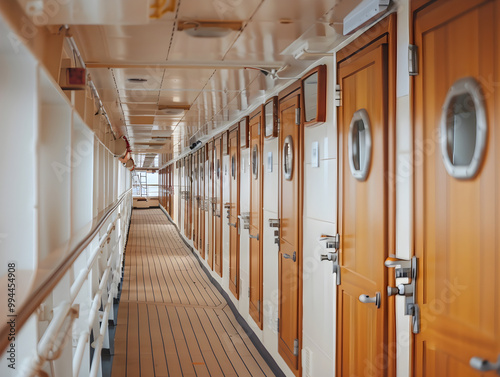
(209, 28)
(136, 79)
(172, 109)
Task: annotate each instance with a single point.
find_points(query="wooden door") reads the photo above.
(362, 328)
(234, 210)
(218, 205)
(457, 227)
(196, 198)
(289, 212)
(255, 230)
(201, 201)
(190, 196)
(211, 205)
(185, 189)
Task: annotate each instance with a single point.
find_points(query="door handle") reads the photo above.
(232, 224)
(254, 237)
(336, 270)
(484, 365)
(365, 299)
(288, 256)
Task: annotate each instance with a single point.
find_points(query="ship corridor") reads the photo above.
(291, 188)
(172, 321)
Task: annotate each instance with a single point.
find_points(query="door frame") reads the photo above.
(235, 288)
(219, 141)
(289, 92)
(210, 195)
(382, 32)
(258, 113)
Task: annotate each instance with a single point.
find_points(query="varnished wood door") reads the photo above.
(190, 196)
(255, 230)
(457, 235)
(362, 328)
(196, 198)
(218, 205)
(289, 212)
(185, 166)
(211, 205)
(234, 210)
(201, 201)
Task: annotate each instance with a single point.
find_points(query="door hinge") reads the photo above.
(279, 125)
(296, 347)
(278, 326)
(258, 306)
(248, 292)
(412, 60)
(258, 130)
(297, 116)
(338, 96)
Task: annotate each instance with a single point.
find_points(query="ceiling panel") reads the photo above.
(187, 48)
(218, 9)
(129, 44)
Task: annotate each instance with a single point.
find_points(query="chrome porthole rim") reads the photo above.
(466, 85)
(255, 164)
(360, 175)
(288, 175)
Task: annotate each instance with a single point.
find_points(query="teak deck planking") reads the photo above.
(171, 320)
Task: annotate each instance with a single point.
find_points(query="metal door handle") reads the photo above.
(231, 224)
(336, 270)
(365, 299)
(288, 256)
(484, 365)
(254, 237)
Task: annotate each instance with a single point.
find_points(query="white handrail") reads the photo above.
(40, 294)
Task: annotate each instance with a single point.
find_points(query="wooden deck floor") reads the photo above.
(171, 320)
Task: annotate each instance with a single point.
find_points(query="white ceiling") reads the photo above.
(184, 70)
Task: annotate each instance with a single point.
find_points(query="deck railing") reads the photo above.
(85, 280)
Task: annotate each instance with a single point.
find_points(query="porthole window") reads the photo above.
(255, 161)
(360, 145)
(463, 129)
(233, 167)
(288, 158)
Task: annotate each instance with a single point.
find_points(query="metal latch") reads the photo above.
(406, 269)
(332, 242)
(296, 347)
(412, 60)
(293, 257)
(275, 223)
(338, 96)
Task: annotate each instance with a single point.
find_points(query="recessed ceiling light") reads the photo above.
(137, 79)
(209, 28)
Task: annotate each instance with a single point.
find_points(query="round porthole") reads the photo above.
(233, 166)
(255, 161)
(360, 145)
(463, 129)
(288, 158)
